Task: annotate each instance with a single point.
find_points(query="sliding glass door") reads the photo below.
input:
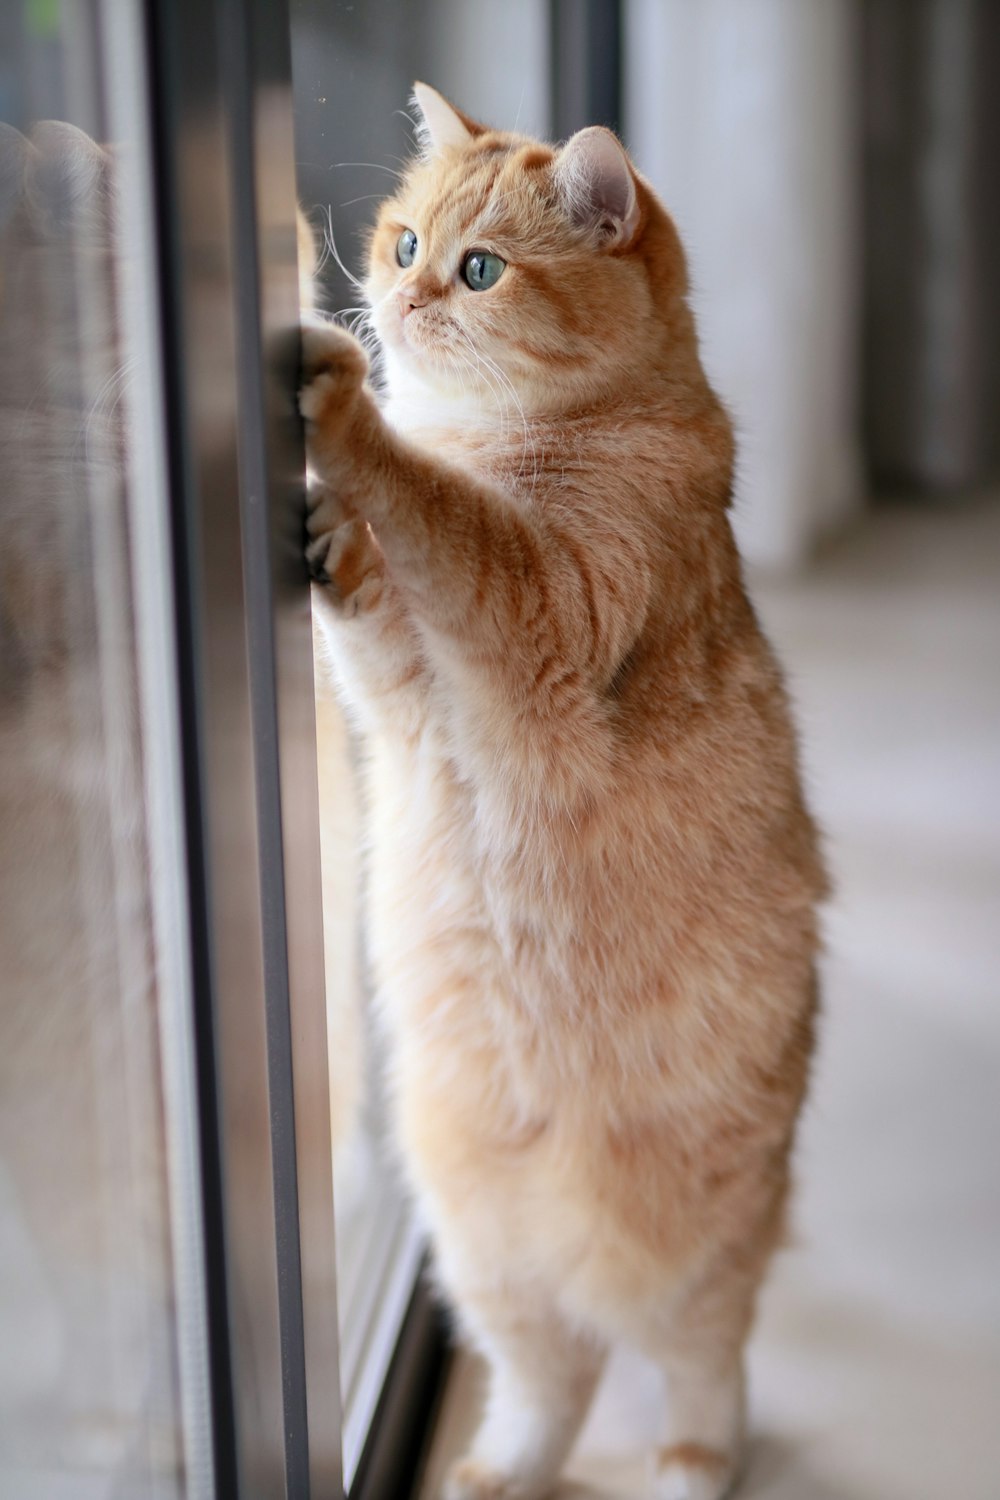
(167, 1288)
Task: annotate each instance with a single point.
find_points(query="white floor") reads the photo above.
(875, 1368)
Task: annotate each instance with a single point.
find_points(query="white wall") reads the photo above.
(742, 114)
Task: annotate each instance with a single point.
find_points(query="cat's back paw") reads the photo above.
(470, 1479)
(688, 1471)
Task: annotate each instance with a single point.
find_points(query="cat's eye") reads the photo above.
(406, 248)
(482, 270)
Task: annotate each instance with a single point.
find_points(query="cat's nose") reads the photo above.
(410, 297)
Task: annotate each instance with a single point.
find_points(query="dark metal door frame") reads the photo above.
(223, 169)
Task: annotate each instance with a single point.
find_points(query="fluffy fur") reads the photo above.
(593, 879)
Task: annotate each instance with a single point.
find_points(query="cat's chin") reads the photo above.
(412, 372)
(401, 350)
(412, 386)
(417, 354)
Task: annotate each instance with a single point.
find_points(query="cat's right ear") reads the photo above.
(595, 180)
(440, 124)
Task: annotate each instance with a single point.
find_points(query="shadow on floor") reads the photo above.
(780, 1471)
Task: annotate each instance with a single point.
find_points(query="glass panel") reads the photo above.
(100, 1293)
(162, 999)
(225, 222)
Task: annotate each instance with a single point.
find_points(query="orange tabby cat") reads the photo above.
(593, 878)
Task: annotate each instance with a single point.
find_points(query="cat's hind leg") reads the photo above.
(701, 1457)
(542, 1377)
(700, 1350)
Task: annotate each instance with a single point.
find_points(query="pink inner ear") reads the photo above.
(597, 183)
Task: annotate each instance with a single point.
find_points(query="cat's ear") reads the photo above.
(440, 124)
(595, 181)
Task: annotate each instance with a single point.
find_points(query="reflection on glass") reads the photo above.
(89, 1402)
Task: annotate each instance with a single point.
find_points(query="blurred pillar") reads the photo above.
(586, 65)
(932, 242)
(744, 115)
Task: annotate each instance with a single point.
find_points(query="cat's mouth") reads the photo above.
(421, 329)
(436, 348)
(434, 342)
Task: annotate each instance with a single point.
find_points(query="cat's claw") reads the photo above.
(342, 554)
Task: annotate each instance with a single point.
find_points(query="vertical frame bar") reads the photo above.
(258, 57)
(225, 219)
(124, 54)
(219, 788)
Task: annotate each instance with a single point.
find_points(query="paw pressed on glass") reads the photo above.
(342, 554)
(334, 370)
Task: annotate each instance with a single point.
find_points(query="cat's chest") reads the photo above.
(503, 450)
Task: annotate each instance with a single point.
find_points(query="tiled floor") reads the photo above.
(875, 1369)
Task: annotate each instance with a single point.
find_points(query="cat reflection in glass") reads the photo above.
(592, 880)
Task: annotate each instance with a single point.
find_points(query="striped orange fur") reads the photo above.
(592, 876)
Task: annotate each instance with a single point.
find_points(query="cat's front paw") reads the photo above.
(471, 1480)
(342, 554)
(334, 371)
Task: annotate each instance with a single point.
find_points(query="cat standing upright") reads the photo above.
(593, 879)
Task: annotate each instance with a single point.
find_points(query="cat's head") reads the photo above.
(508, 267)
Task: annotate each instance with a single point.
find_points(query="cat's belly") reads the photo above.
(542, 1193)
(514, 1147)
(556, 1130)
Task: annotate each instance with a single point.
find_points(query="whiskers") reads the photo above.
(105, 404)
(330, 252)
(357, 320)
(360, 321)
(375, 166)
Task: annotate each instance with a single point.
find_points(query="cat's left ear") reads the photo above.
(595, 180)
(441, 125)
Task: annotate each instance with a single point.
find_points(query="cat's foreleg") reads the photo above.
(542, 1377)
(490, 576)
(372, 645)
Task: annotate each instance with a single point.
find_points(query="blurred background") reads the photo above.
(834, 169)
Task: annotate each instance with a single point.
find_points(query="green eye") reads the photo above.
(406, 248)
(482, 270)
